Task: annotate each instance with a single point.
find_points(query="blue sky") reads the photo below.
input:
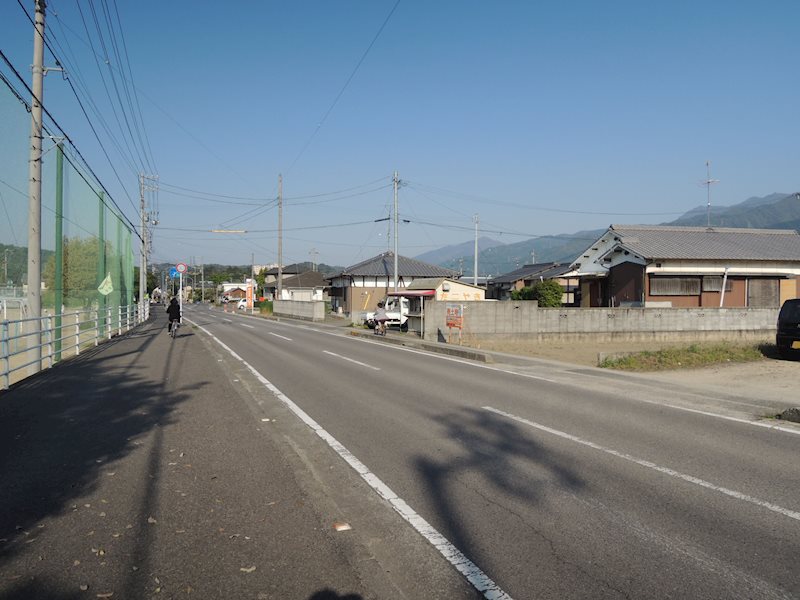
(542, 118)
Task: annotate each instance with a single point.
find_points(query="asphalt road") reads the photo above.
(540, 480)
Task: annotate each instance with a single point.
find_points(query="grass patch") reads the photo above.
(688, 357)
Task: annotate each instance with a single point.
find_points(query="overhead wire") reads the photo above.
(141, 129)
(485, 200)
(71, 143)
(344, 87)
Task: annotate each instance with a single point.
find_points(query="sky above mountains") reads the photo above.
(539, 118)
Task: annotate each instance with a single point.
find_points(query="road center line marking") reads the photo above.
(283, 337)
(650, 465)
(351, 360)
(245, 325)
(476, 577)
(227, 320)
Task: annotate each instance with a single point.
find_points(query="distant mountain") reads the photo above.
(774, 211)
(457, 252)
(503, 259)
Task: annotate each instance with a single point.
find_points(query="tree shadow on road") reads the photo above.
(61, 429)
(495, 458)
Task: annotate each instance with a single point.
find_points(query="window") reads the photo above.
(713, 283)
(674, 286)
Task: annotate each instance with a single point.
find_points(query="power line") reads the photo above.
(344, 87)
(485, 200)
(68, 139)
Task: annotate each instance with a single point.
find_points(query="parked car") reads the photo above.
(242, 304)
(788, 337)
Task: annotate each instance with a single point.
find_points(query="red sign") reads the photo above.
(455, 316)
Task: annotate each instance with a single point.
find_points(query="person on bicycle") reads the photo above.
(380, 318)
(174, 312)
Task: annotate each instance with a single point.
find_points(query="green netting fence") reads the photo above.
(87, 253)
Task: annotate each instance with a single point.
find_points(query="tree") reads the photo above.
(548, 293)
(80, 277)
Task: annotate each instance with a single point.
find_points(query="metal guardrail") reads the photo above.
(51, 338)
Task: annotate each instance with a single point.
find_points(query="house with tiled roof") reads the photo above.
(501, 287)
(359, 287)
(307, 286)
(667, 266)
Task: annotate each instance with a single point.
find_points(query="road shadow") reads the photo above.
(60, 429)
(491, 450)
(328, 594)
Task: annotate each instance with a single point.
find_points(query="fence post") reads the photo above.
(108, 321)
(77, 334)
(6, 347)
(97, 333)
(127, 318)
(49, 343)
(119, 321)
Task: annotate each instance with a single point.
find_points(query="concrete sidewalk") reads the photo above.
(140, 470)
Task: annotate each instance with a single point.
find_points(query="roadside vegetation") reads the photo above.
(692, 356)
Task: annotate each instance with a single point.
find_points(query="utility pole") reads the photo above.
(143, 253)
(34, 296)
(146, 220)
(202, 282)
(708, 183)
(280, 237)
(313, 254)
(395, 181)
(475, 266)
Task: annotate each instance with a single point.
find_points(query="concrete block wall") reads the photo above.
(525, 320)
(297, 309)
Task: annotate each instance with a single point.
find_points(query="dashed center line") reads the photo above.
(283, 337)
(792, 514)
(246, 325)
(352, 360)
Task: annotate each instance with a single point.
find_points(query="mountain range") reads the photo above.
(774, 211)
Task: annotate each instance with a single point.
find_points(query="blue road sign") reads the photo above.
(173, 272)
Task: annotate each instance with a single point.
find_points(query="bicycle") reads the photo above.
(380, 328)
(174, 331)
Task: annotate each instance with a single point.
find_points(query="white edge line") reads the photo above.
(476, 577)
(650, 465)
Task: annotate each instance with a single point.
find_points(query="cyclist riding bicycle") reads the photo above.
(380, 319)
(174, 312)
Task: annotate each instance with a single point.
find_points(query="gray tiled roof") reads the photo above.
(309, 279)
(700, 243)
(545, 270)
(287, 270)
(383, 266)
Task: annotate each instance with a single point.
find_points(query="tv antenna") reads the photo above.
(708, 183)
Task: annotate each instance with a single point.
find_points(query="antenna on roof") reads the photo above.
(708, 183)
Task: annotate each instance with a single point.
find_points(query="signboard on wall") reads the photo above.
(455, 316)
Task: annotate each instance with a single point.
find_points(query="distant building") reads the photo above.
(307, 286)
(358, 288)
(501, 287)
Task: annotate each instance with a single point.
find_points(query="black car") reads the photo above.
(788, 337)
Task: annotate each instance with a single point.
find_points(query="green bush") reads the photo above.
(548, 293)
(265, 307)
